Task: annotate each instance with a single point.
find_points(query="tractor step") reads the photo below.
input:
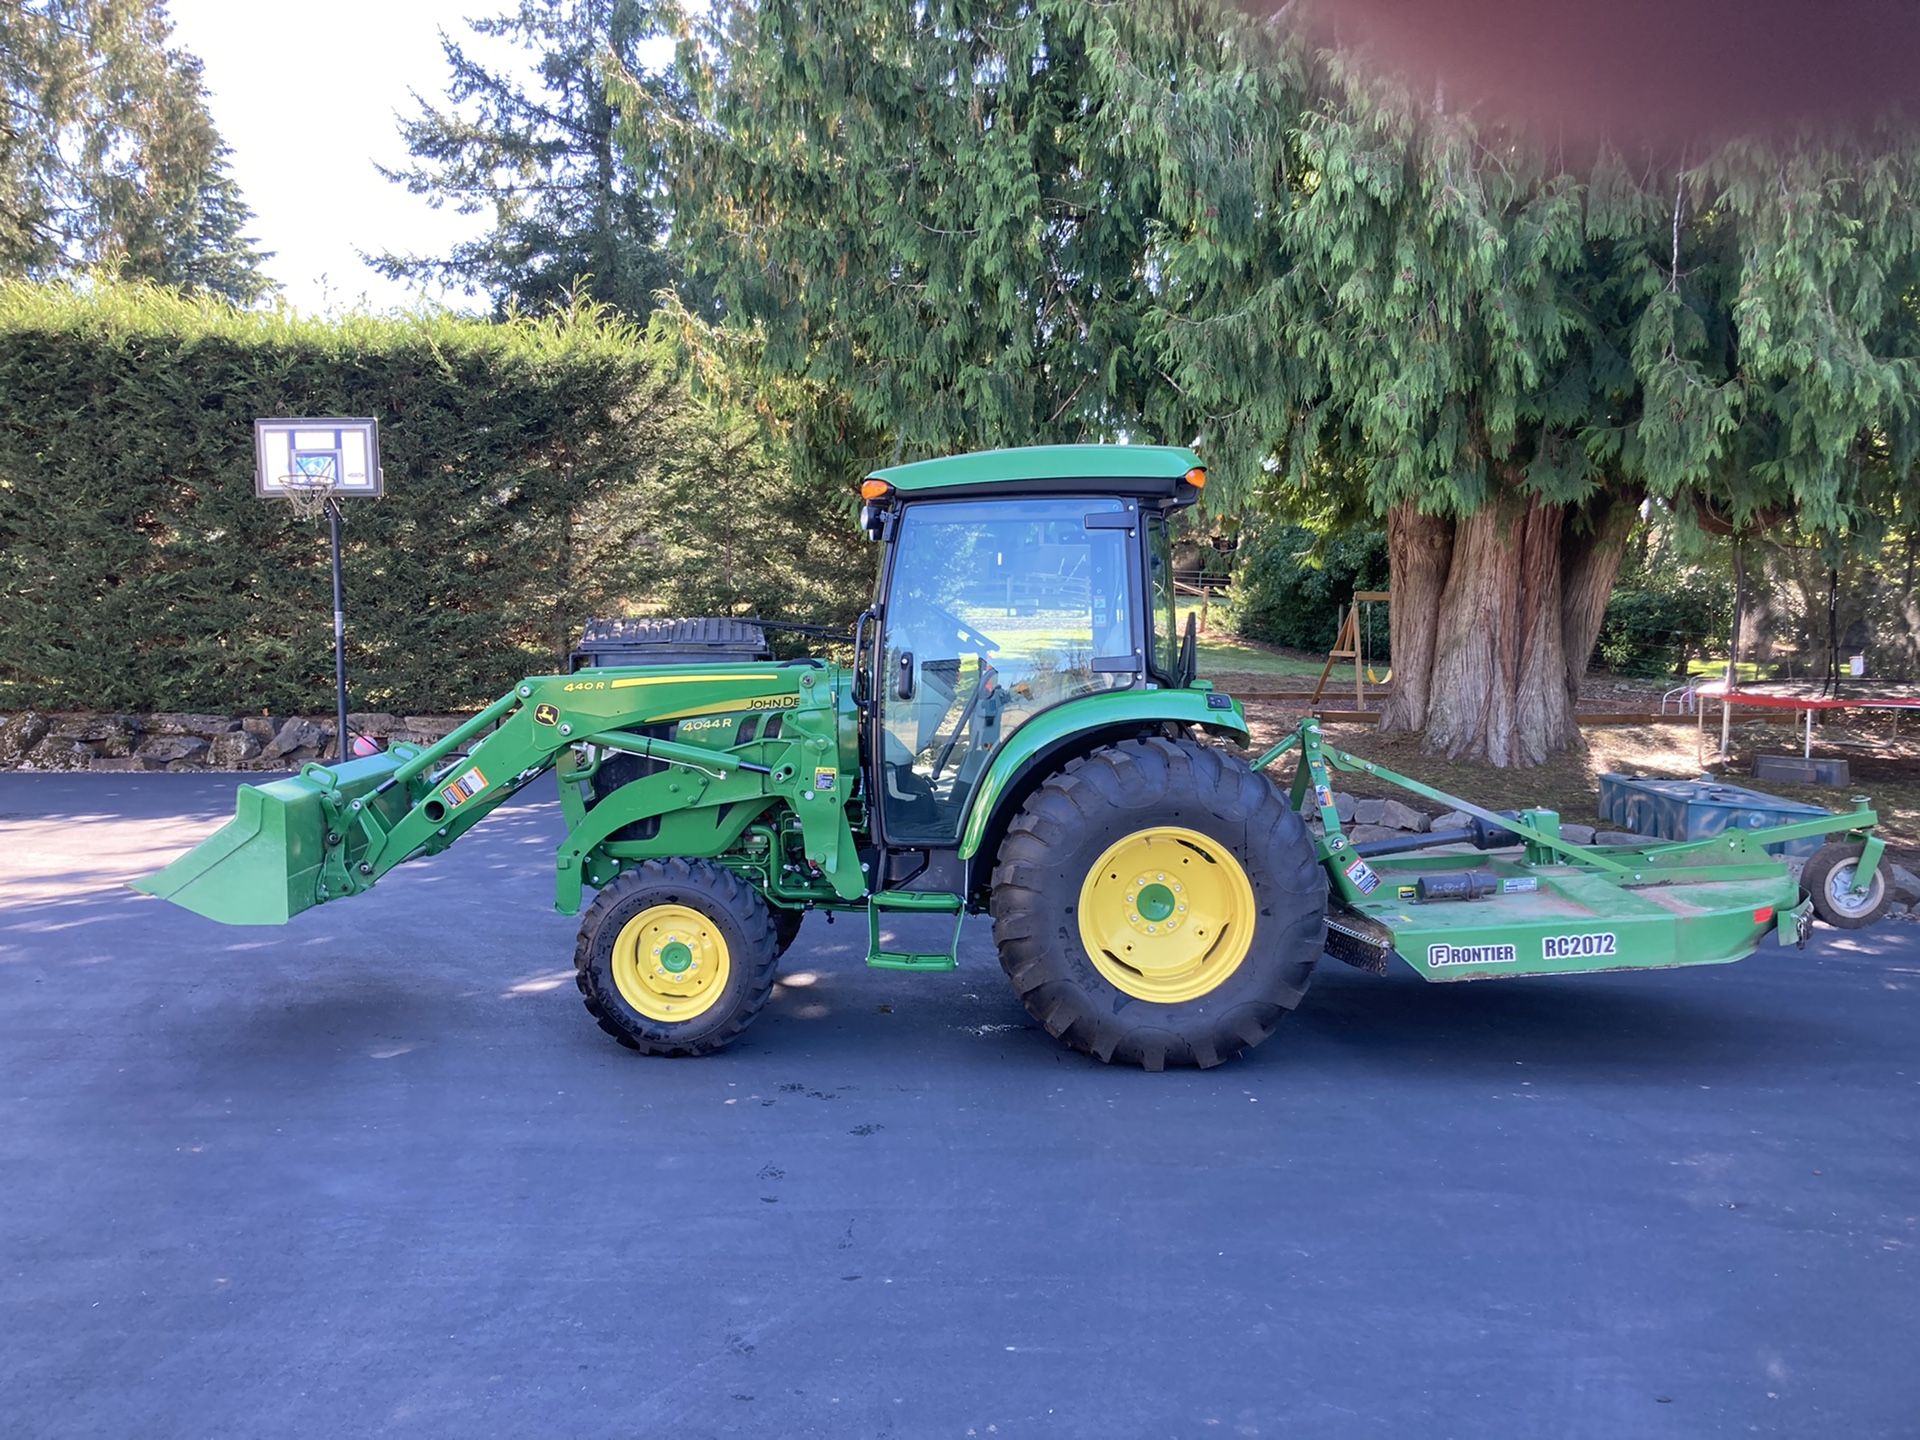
(911, 960)
(914, 902)
(938, 902)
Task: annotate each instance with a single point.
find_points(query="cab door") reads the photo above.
(995, 610)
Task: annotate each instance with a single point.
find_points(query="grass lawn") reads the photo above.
(1747, 672)
(1224, 656)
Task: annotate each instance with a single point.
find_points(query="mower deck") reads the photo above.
(1573, 920)
(1509, 895)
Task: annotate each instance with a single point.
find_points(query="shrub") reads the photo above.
(1287, 592)
(1654, 629)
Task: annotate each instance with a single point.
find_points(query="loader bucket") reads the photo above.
(263, 866)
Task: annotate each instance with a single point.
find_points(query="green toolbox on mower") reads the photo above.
(1021, 733)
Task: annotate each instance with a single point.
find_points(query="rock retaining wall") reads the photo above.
(176, 740)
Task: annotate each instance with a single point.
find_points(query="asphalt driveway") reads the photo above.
(376, 1172)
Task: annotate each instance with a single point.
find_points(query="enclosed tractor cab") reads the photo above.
(1020, 733)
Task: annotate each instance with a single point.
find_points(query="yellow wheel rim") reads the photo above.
(1167, 914)
(671, 963)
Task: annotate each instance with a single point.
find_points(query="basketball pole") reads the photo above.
(339, 633)
(313, 463)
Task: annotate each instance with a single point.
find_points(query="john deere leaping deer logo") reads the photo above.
(546, 714)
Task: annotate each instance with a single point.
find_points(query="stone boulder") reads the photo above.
(425, 729)
(261, 727)
(1452, 820)
(168, 749)
(1361, 834)
(1343, 806)
(376, 723)
(1368, 812)
(92, 728)
(232, 750)
(57, 753)
(1396, 816)
(296, 735)
(20, 734)
(118, 743)
(174, 722)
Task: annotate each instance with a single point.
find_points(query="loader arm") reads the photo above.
(768, 736)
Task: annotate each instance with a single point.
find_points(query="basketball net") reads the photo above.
(307, 495)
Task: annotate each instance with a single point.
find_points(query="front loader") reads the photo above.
(1021, 733)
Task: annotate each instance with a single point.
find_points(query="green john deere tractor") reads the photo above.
(1021, 733)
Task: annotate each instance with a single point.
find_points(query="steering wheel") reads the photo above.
(962, 630)
(988, 678)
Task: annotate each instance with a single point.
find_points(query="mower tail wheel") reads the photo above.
(1158, 903)
(1827, 880)
(675, 957)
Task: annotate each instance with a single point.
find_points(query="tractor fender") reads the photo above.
(1075, 727)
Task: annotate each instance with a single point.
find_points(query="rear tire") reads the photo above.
(1827, 879)
(675, 957)
(1095, 837)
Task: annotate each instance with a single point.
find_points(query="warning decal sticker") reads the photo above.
(465, 788)
(823, 777)
(1362, 876)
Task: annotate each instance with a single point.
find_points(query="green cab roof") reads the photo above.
(1130, 469)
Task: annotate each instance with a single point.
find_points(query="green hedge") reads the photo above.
(1287, 594)
(138, 571)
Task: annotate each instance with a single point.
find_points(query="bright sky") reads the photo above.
(306, 97)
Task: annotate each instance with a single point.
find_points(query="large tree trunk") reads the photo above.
(1494, 617)
(1419, 552)
(1591, 549)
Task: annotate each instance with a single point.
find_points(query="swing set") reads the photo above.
(1351, 644)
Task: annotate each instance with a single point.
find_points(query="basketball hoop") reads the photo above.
(305, 461)
(313, 464)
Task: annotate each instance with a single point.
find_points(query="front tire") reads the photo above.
(1158, 903)
(675, 957)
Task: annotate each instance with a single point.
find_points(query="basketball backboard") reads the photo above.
(296, 458)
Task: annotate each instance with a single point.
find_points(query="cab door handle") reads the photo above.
(903, 679)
